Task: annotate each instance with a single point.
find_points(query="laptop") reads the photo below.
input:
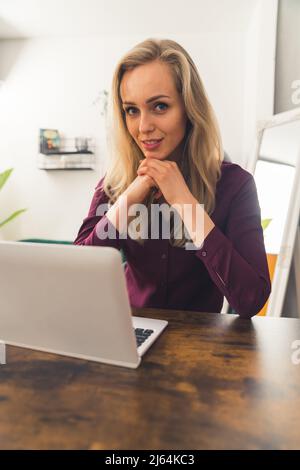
(71, 300)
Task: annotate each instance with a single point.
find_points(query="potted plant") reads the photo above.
(265, 223)
(3, 178)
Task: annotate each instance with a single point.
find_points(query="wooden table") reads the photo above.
(211, 381)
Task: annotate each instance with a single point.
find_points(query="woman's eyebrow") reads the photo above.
(153, 98)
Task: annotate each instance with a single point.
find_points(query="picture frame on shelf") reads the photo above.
(50, 141)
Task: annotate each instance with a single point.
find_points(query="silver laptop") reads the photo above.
(71, 300)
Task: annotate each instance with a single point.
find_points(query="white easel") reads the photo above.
(296, 263)
(290, 245)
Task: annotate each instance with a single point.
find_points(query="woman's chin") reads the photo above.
(157, 156)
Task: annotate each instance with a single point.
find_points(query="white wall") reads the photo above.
(260, 53)
(288, 56)
(52, 82)
(287, 73)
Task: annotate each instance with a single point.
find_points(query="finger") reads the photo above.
(155, 163)
(154, 184)
(152, 181)
(146, 167)
(153, 172)
(142, 162)
(145, 171)
(163, 170)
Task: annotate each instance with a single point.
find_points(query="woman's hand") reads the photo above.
(171, 183)
(169, 180)
(136, 193)
(138, 190)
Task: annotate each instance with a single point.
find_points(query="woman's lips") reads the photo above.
(152, 146)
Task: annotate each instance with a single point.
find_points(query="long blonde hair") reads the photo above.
(203, 152)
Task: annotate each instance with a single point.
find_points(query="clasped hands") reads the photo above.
(173, 187)
(168, 179)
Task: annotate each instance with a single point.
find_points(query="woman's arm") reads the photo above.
(236, 260)
(97, 223)
(103, 225)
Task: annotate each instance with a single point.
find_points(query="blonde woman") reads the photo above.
(167, 152)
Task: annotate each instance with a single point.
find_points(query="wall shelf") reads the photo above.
(67, 161)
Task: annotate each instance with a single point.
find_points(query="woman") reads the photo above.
(167, 151)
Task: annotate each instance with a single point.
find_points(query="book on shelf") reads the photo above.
(50, 141)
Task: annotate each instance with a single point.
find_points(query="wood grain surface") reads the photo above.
(210, 381)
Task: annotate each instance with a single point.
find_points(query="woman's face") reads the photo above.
(154, 110)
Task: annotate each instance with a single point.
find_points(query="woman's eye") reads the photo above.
(162, 104)
(127, 110)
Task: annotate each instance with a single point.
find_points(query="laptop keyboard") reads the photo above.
(141, 335)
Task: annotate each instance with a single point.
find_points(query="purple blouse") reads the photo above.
(231, 262)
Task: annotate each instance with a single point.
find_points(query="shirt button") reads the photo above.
(164, 256)
(203, 253)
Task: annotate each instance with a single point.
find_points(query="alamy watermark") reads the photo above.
(2, 353)
(133, 222)
(296, 94)
(295, 358)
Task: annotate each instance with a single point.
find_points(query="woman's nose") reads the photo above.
(145, 124)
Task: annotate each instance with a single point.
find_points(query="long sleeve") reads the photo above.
(93, 225)
(236, 259)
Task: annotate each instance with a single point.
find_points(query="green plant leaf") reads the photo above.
(4, 176)
(265, 223)
(12, 216)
